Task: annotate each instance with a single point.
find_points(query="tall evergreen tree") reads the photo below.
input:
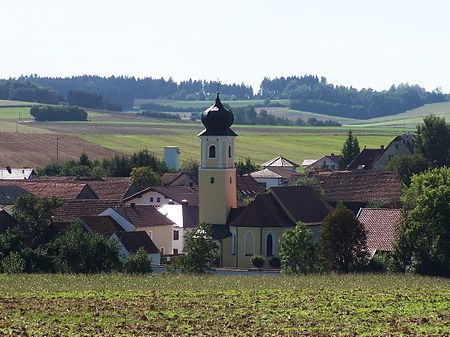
(350, 149)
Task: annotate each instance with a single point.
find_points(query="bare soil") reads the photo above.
(32, 150)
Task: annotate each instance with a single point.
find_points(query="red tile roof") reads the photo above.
(248, 186)
(380, 225)
(63, 190)
(111, 188)
(74, 209)
(169, 177)
(360, 186)
(132, 241)
(144, 216)
(104, 225)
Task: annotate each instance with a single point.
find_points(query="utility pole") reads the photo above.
(57, 149)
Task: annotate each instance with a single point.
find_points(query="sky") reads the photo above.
(357, 43)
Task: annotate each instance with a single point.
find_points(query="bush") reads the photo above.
(138, 263)
(274, 262)
(13, 263)
(58, 113)
(257, 261)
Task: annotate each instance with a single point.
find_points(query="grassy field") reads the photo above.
(181, 305)
(259, 146)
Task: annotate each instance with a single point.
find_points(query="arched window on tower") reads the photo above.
(229, 151)
(269, 245)
(212, 151)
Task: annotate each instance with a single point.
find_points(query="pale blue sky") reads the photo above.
(351, 42)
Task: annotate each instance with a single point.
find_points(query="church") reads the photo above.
(255, 229)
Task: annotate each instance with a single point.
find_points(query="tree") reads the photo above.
(84, 160)
(35, 213)
(77, 251)
(424, 238)
(247, 166)
(144, 176)
(138, 263)
(350, 150)
(407, 166)
(201, 250)
(432, 141)
(189, 166)
(312, 182)
(298, 251)
(342, 241)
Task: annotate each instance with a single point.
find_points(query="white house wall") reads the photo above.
(151, 198)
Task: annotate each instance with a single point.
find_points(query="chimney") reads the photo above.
(382, 147)
(184, 202)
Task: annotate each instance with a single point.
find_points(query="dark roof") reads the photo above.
(381, 226)
(217, 120)
(301, 203)
(336, 158)
(104, 225)
(360, 186)
(248, 186)
(264, 211)
(280, 162)
(132, 241)
(219, 232)
(176, 193)
(10, 193)
(6, 221)
(143, 216)
(190, 216)
(74, 209)
(365, 159)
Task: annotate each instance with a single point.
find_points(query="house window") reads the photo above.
(212, 151)
(231, 180)
(249, 244)
(229, 151)
(396, 146)
(158, 199)
(269, 245)
(175, 251)
(151, 199)
(176, 235)
(161, 250)
(212, 180)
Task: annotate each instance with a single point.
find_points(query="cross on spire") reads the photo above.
(218, 86)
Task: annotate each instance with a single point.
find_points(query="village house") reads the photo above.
(377, 159)
(328, 162)
(274, 176)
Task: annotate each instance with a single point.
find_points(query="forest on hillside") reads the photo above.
(305, 93)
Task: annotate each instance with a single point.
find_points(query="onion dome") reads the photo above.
(217, 120)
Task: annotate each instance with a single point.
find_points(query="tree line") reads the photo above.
(309, 93)
(122, 90)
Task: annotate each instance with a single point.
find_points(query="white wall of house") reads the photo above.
(124, 253)
(324, 163)
(270, 182)
(151, 198)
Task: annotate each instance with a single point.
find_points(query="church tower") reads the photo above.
(217, 174)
